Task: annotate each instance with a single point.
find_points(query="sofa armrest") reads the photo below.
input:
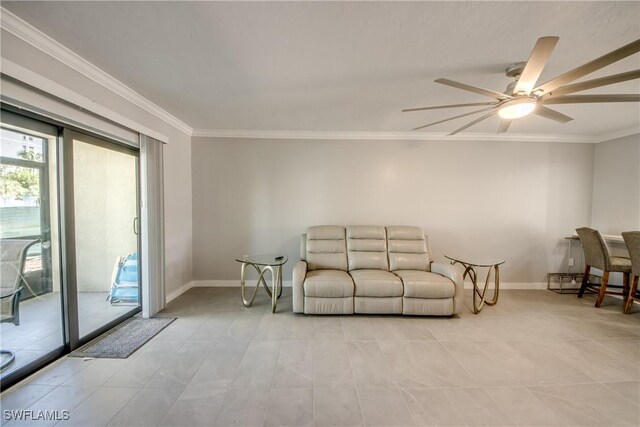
(449, 271)
(299, 274)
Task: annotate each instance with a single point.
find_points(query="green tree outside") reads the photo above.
(20, 182)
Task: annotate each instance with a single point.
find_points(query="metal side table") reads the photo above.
(262, 264)
(575, 277)
(480, 295)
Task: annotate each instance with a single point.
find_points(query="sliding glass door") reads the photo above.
(104, 206)
(69, 241)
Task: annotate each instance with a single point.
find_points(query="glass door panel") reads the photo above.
(105, 200)
(31, 325)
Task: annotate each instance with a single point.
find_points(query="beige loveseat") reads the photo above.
(372, 269)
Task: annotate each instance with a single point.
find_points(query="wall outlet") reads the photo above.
(570, 262)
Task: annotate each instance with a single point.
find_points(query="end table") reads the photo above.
(479, 296)
(262, 264)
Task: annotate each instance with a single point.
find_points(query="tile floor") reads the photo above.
(535, 359)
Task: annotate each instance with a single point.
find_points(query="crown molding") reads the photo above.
(632, 130)
(36, 38)
(393, 136)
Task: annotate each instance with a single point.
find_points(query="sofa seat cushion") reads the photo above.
(376, 283)
(328, 284)
(423, 284)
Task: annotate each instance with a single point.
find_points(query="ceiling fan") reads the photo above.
(522, 97)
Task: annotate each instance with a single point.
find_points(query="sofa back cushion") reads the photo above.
(367, 247)
(326, 248)
(407, 248)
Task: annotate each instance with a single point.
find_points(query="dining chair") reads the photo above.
(596, 255)
(632, 240)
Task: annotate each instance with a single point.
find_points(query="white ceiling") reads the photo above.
(341, 66)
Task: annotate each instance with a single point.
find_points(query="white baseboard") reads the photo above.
(288, 284)
(231, 283)
(514, 285)
(181, 290)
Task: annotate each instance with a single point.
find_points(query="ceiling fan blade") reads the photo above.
(504, 125)
(478, 120)
(453, 118)
(486, 92)
(591, 84)
(548, 113)
(590, 67)
(472, 104)
(537, 60)
(585, 99)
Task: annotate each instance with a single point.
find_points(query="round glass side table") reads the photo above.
(480, 295)
(262, 264)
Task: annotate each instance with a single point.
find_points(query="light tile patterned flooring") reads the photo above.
(537, 358)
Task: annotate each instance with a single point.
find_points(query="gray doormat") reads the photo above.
(124, 339)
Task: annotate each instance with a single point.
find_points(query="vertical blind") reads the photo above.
(152, 212)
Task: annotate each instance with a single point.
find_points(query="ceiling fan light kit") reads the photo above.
(522, 97)
(517, 108)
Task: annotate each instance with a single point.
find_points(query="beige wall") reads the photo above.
(177, 154)
(616, 185)
(508, 199)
